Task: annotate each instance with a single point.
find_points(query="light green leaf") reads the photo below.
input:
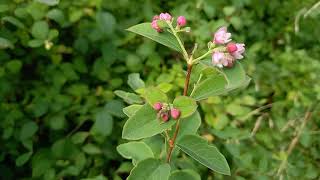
(154, 95)
(14, 66)
(165, 87)
(23, 158)
(130, 98)
(49, 2)
(91, 149)
(150, 169)
(40, 30)
(132, 109)
(114, 107)
(79, 137)
(189, 125)
(136, 151)
(34, 43)
(164, 38)
(5, 43)
(13, 21)
(186, 105)
(135, 82)
(208, 155)
(186, 174)
(144, 123)
(105, 22)
(103, 124)
(229, 79)
(28, 130)
(57, 15)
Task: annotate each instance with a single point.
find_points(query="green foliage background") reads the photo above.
(60, 63)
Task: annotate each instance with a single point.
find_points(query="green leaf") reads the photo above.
(49, 2)
(164, 38)
(228, 79)
(34, 43)
(91, 149)
(13, 21)
(103, 124)
(57, 15)
(40, 30)
(5, 43)
(144, 123)
(130, 98)
(208, 155)
(137, 151)
(189, 125)
(135, 82)
(28, 130)
(114, 107)
(154, 95)
(150, 169)
(23, 158)
(14, 66)
(132, 109)
(186, 105)
(186, 174)
(79, 137)
(106, 22)
(99, 177)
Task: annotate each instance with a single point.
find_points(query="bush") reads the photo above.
(62, 61)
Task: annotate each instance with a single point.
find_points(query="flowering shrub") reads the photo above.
(174, 121)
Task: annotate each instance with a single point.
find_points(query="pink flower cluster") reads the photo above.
(163, 111)
(166, 17)
(233, 51)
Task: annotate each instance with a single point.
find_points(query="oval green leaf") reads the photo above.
(186, 105)
(154, 95)
(136, 151)
(150, 169)
(186, 174)
(208, 155)
(164, 38)
(144, 123)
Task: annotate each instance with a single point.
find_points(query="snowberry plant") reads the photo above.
(162, 129)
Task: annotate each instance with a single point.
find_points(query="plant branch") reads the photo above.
(294, 141)
(185, 92)
(184, 52)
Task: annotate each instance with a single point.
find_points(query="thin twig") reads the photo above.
(294, 142)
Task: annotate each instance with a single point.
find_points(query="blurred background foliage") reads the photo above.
(60, 63)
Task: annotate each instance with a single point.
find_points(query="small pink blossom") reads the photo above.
(222, 36)
(238, 54)
(181, 21)
(156, 17)
(154, 25)
(165, 16)
(175, 113)
(165, 117)
(231, 47)
(221, 59)
(157, 106)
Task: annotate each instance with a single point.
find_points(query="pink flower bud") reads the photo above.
(231, 47)
(156, 17)
(240, 50)
(221, 59)
(222, 36)
(154, 25)
(175, 113)
(157, 106)
(165, 17)
(164, 117)
(181, 21)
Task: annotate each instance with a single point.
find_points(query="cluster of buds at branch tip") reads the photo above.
(228, 55)
(163, 111)
(159, 22)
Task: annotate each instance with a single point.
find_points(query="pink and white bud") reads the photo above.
(175, 113)
(154, 25)
(238, 54)
(222, 36)
(157, 106)
(221, 59)
(181, 21)
(231, 47)
(164, 117)
(165, 17)
(156, 17)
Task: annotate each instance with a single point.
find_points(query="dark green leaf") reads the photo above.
(186, 174)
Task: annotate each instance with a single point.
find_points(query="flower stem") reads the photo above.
(184, 52)
(185, 93)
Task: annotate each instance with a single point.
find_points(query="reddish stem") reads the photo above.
(185, 92)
